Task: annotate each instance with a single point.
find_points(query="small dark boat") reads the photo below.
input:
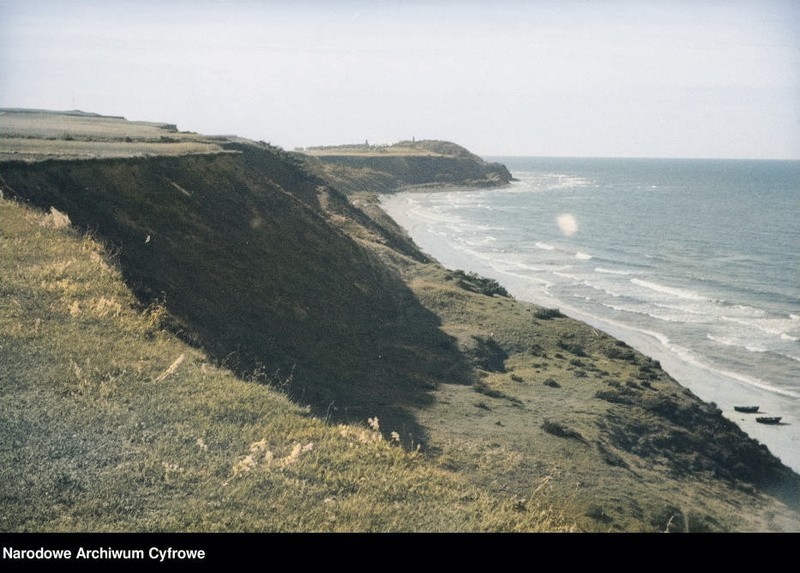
(746, 409)
(769, 419)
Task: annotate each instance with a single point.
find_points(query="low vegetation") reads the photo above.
(560, 408)
(428, 163)
(473, 282)
(33, 135)
(547, 313)
(110, 423)
(228, 342)
(560, 430)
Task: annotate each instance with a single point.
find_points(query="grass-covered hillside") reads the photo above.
(224, 341)
(110, 423)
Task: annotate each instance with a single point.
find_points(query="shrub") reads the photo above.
(598, 514)
(488, 354)
(537, 350)
(473, 282)
(562, 431)
(552, 383)
(547, 313)
(615, 397)
(646, 373)
(572, 348)
(668, 520)
(617, 353)
(482, 388)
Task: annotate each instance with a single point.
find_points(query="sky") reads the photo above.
(624, 78)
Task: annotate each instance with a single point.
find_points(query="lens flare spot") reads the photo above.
(567, 223)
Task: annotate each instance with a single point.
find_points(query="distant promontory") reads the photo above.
(406, 164)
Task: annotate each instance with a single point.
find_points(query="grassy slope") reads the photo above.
(108, 422)
(243, 247)
(624, 446)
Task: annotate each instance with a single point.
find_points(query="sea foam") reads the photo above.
(672, 291)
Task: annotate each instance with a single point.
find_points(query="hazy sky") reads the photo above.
(657, 78)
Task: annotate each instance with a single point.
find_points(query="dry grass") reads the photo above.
(37, 150)
(114, 425)
(55, 125)
(35, 136)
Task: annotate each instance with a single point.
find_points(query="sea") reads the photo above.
(694, 262)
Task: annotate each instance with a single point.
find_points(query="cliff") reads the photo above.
(181, 334)
(238, 249)
(407, 163)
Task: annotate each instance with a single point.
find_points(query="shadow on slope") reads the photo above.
(237, 249)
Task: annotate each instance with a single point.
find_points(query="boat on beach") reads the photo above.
(769, 419)
(746, 409)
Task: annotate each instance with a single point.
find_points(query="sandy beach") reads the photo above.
(724, 390)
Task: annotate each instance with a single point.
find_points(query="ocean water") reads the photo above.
(694, 262)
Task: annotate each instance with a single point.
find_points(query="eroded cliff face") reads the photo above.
(239, 249)
(428, 170)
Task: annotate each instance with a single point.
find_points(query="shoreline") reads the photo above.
(708, 385)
